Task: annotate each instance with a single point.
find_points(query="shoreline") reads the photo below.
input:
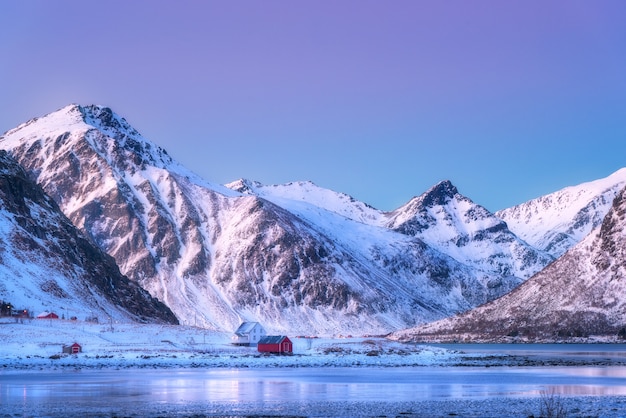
(189, 360)
(38, 346)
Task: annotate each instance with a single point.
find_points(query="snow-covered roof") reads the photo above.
(272, 339)
(246, 328)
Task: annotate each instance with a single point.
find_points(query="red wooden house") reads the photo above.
(72, 349)
(278, 344)
(47, 315)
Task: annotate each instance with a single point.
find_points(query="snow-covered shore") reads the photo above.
(37, 344)
(34, 348)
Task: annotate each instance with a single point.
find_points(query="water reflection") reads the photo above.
(330, 384)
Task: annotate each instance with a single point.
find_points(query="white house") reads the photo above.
(248, 333)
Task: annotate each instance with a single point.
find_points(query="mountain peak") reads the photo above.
(244, 186)
(440, 194)
(76, 117)
(104, 118)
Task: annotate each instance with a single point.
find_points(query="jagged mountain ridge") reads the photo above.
(551, 223)
(217, 256)
(557, 221)
(47, 264)
(387, 255)
(441, 217)
(308, 192)
(455, 225)
(578, 295)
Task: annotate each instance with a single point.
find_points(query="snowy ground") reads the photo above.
(32, 350)
(37, 344)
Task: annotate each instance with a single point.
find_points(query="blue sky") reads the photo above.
(380, 100)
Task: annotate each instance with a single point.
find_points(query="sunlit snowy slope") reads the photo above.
(559, 220)
(46, 264)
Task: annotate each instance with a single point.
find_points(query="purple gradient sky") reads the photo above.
(380, 100)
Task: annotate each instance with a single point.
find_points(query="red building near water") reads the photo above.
(72, 349)
(47, 315)
(278, 344)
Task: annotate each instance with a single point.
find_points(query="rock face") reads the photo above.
(578, 295)
(295, 257)
(47, 264)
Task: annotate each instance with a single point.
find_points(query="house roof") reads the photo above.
(246, 327)
(46, 314)
(272, 339)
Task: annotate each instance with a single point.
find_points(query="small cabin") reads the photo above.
(248, 333)
(47, 315)
(278, 344)
(72, 349)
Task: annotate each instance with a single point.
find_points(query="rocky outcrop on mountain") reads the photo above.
(556, 222)
(310, 262)
(578, 295)
(453, 224)
(46, 263)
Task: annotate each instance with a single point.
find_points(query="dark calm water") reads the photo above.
(225, 392)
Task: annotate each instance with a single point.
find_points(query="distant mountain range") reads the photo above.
(296, 257)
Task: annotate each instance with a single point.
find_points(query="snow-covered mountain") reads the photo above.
(454, 225)
(286, 195)
(442, 218)
(557, 221)
(47, 264)
(578, 295)
(296, 257)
